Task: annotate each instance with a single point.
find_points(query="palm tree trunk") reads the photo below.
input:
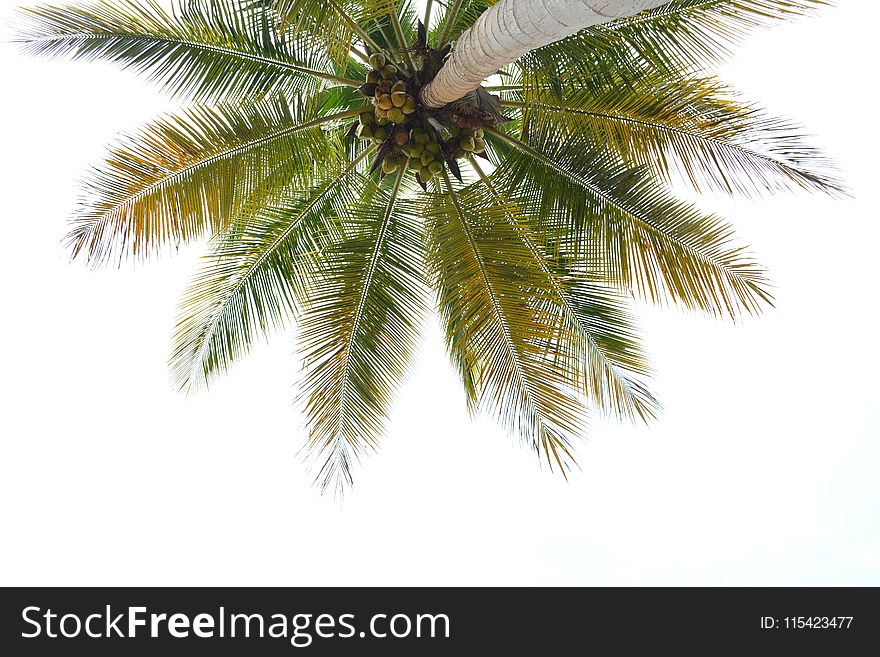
(510, 29)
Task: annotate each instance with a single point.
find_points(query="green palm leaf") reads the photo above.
(254, 279)
(488, 286)
(698, 32)
(693, 128)
(675, 38)
(604, 343)
(337, 22)
(622, 224)
(597, 331)
(360, 327)
(204, 49)
(185, 176)
(458, 16)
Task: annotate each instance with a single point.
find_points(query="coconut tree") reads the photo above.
(352, 164)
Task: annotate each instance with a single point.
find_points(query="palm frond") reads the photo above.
(700, 32)
(690, 129)
(254, 279)
(184, 176)
(457, 17)
(340, 23)
(613, 367)
(598, 332)
(382, 33)
(618, 222)
(497, 333)
(359, 328)
(201, 50)
(675, 38)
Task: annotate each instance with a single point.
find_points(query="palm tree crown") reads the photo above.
(528, 212)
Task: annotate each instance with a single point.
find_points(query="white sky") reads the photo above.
(761, 471)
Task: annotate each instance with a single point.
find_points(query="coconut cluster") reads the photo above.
(425, 149)
(405, 130)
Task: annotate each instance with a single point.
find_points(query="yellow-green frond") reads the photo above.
(620, 223)
(694, 130)
(189, 175)
(676, 38)
(341, 24)
(489, 290)
(201, 49)
(254, 278)
(597, 331)
(359, 328)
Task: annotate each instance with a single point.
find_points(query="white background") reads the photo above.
(761, 470)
